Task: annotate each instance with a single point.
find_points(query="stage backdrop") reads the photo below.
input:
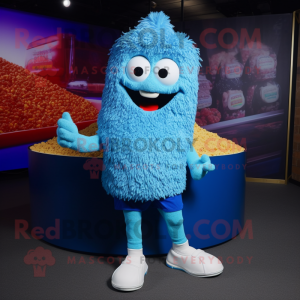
(47, 66)
(244, 85)
(243, 94)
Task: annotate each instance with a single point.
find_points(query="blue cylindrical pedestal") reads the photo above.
(70, 205)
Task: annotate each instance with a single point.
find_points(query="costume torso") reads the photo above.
(153, 166)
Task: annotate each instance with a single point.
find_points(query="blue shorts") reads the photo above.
(170, 204)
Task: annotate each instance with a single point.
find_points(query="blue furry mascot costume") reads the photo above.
(147, 116)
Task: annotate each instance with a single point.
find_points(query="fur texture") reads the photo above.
(155, 172)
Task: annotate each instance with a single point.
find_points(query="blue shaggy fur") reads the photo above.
(147, 151)
(142, 163)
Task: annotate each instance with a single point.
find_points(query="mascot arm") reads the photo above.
(199, 167)
(69, 137)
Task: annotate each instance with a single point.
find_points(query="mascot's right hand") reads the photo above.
(67, 132)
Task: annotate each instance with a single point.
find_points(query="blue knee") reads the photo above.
(174, 221)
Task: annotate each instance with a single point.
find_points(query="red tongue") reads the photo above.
(151, 107)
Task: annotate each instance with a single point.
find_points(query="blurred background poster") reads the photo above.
(47, 66)
(72, 55)
(244, 85)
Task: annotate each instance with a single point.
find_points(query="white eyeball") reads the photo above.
(138, 68)
(166, 71)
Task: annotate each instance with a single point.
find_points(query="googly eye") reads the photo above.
(166, 71)
(138, 68)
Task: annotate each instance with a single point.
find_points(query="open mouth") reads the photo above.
(149, 101)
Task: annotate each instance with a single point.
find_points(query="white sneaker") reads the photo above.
(193, 261)
(129, 276)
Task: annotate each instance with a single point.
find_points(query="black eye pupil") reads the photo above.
(162, 73)
(138, 71)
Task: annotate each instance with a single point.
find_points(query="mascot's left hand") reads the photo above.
(201, 167)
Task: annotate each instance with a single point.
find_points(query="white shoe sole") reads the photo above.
(196, 275)
(127, 289)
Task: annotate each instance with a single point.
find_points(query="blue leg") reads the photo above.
(133, 220)
(175, 227)
(129, 276)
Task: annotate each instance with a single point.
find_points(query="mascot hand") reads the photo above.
(67, 132)
(201, 167)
